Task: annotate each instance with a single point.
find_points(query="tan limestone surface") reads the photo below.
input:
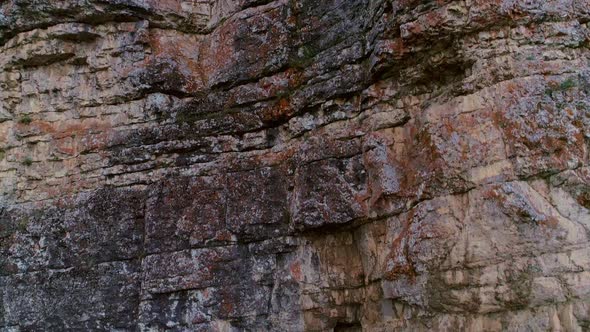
(294, 165)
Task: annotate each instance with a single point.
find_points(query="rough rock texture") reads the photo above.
(291, 165)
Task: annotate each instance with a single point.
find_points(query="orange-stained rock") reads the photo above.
(294, 165)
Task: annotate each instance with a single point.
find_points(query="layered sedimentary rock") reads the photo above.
(291, 165)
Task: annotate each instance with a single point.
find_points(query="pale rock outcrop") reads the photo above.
(291, 165)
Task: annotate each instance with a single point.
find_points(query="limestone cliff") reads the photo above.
(294, 165)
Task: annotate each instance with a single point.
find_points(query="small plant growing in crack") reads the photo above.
(567, 84)
(28, 161)
(563, 86)
(22, 225)
(25, 119)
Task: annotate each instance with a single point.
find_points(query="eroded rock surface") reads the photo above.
(291, 165)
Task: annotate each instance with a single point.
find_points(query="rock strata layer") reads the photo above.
(294, 165)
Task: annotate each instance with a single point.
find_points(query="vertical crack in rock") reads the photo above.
(294, 165)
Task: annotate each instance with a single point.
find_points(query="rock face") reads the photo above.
(294, 165)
